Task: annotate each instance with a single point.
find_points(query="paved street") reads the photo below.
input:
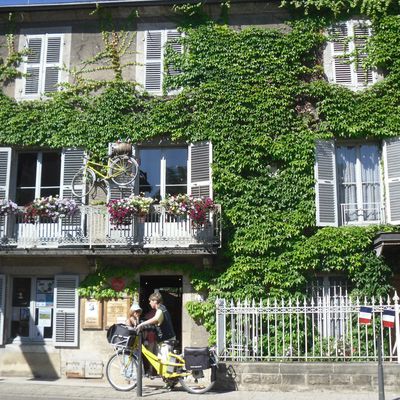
(71, 389)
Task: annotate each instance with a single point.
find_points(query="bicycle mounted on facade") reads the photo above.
(121, 168)
(195, 369)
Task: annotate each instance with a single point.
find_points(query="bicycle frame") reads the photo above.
(91, 165)
(161, 366)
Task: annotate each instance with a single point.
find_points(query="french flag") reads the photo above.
(388, 318)
(364, 317)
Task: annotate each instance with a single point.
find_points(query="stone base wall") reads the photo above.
(284, 377)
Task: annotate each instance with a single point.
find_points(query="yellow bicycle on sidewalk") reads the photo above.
(121, 169)
(195, 369)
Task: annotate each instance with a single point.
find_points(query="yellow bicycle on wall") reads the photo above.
(121, 169)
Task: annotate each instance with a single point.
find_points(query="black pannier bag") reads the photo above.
(197, 358)
(118, 332)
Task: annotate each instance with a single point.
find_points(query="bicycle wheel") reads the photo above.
(83, 182)
(121, 370)
(123, 170)
(199, 381)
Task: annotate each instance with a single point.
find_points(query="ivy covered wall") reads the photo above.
(260, 96)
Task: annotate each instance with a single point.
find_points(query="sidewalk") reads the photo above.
(71, 389)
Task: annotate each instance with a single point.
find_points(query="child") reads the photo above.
(135, 313)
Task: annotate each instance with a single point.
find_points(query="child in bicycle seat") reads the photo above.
(134, 315)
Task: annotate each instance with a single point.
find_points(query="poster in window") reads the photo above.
(44, 317)
(92, 314)
(116, 311)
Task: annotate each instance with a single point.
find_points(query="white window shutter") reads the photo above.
(43, 63)
(325, 190)
(200, 159)
(391, 157)
(154, 61)
(361, 33)
(33, 65)
(173, 37)
(53, 63)
(2, 306)
(342, 69)
(72, 159)
(5, 169)
(66, 310)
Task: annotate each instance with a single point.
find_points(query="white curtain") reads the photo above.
(369, 158)
(358, 167)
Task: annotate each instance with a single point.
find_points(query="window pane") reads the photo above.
(176, 161)
(20, 307)
(24, 196)
(174, 190)
(369, 158)
(49, 192)
(346, 169)
(51, 169)
(149, 174)
(26, 172)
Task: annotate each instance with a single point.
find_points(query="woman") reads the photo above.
(135, 313)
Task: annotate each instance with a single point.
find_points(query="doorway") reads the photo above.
(170, 287)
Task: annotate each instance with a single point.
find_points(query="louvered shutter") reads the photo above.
(43, 63)
(33, 65)
(72, 160)
(5, 168)
(325, 190)
(361, 33)
(340, 45)
(66, 309)
(153, 64)
(173, 38)
(53, 63)
(2, 306)
(200, 158)
(391, 156)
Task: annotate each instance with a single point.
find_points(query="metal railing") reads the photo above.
(305, 330)
(90, 226)
(369, 213)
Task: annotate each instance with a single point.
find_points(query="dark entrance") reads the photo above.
(170, 287)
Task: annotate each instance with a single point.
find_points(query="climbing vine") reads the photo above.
(259, 95)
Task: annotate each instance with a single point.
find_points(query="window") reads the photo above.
(42, 308)
(359, 183)
(345, 54)
(38, 175)
(163, 171)
(151, 49)
(32, 308)
(350, 177)
(47, 53)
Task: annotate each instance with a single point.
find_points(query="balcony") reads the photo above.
(91, 229)
(369, 213)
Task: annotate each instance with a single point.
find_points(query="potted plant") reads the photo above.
(199, 208)
(8, 207)
(49, 207)
(123, 210)
(176, 205)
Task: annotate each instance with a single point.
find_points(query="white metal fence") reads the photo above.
(305, 330)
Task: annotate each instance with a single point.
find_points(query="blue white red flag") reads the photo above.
(388, 318)
(364, 317)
